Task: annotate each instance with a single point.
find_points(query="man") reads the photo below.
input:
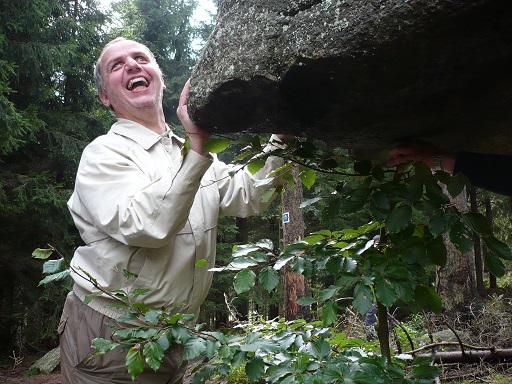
(142, 206)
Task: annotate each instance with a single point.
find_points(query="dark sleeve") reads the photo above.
(486, 171)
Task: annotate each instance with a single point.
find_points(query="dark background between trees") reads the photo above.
(49, 111)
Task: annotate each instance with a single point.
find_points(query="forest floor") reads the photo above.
(477, 373)
(490, 326)
(19, 375)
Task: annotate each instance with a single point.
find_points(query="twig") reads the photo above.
(458, 338)
(17, 359)
(403, 329)
(232, 310)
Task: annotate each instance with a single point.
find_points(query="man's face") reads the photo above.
(133, 80)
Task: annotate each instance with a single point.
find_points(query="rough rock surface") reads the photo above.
(360, 74)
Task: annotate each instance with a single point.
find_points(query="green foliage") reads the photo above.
(389, 270)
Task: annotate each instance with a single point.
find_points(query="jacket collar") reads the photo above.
(143, 136)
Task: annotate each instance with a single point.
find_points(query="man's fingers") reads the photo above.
(184, 94)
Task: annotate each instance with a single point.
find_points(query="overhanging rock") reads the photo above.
(360, 74)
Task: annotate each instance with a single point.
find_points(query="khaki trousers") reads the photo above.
(79, 325)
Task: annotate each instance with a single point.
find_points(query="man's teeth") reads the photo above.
(133, 82)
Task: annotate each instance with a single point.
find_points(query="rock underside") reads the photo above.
(360, 74)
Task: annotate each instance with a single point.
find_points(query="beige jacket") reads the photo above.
(141, 206)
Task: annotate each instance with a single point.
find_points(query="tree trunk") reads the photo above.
(488, 213)
(383, 331)
(457, 291)
(293, 229)
(242, 230)
(479, 271)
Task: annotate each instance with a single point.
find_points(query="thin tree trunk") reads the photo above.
(455, 280)
(295, 285)
(383, 331)
(479, 271)
(488, 213)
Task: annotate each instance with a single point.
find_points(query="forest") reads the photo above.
(426, 258)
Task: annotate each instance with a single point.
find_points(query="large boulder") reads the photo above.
(360, 74)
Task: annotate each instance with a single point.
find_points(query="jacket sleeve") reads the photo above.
(238, 195)
(486, 171)
(120, 200)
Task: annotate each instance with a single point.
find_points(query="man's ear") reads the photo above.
(104, 99)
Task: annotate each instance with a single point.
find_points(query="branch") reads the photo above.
(490, 354)
(449, 343)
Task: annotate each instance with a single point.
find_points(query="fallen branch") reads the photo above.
(472, 356)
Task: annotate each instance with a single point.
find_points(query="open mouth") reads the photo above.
(137, 84)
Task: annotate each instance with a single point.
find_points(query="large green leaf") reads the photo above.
(385, 292)
(477, 222)
(438, 222)
(255, 368)
(363, 298)
(243, 262)
(54, 266)
(460, 238)
(203, 375)
(307, 203)
(268, 195)
(103, 345)
(329, 292)
(380, 200)
(308, 177)
(498, 247)
(212, 346)
(420, 299)
(154, 354)
(180, 334)
(321, 350)
(457, 184)
(433, 300)
(215, 145)
(347, 281)
(405, 290)
(414, 191)
(329, 313)
(165, 340)
(305, 301)
(436, 251)
(355, 200)
(42, 254)
(194, 347)
(494, 264)
(245, 249)
(399, 218)
(134, 361)
(425, 371)
(435, 193)
(55, 277)
(263, 344)
(244, 281)
(268, 278)
(255, 164)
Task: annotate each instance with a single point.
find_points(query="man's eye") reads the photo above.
(115, 66)
(141, 59)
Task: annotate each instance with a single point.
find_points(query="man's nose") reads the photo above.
(132, 64)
